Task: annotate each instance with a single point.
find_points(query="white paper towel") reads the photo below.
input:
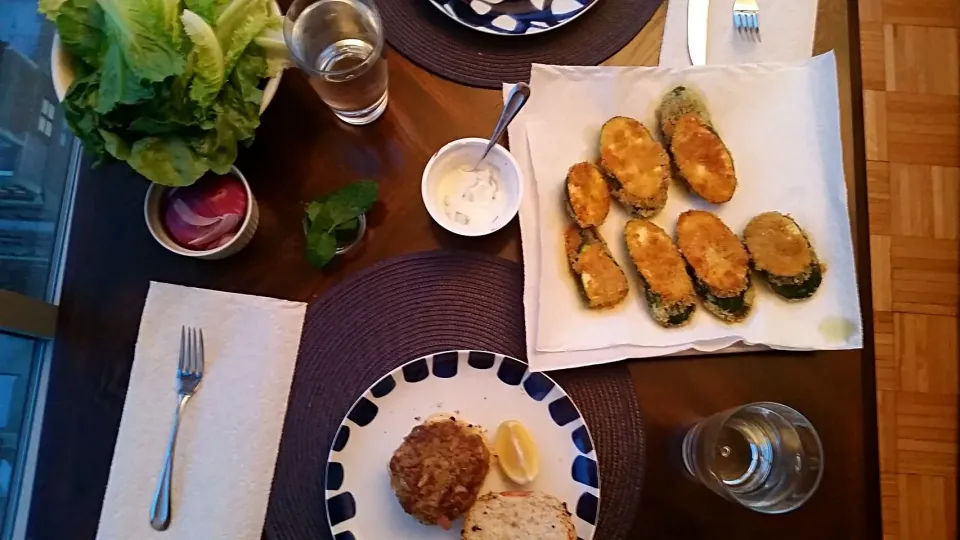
(787, 28)
(793, 104)
(230, 429)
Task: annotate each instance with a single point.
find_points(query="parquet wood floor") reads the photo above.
(911, 78)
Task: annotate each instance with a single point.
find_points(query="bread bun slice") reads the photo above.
(518, 515)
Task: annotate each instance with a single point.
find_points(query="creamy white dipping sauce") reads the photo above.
(474, 199)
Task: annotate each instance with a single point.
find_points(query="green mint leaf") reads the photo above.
(321, 246)
(318, 210)
(347, 232)
(346, 226)
(361, 194)
(339, 207)
(351, 201)
(312, 210)
(333, 217)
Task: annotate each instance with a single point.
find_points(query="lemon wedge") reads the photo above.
(517, 453)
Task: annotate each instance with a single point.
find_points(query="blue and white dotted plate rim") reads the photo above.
(480, 387)
(479, 15)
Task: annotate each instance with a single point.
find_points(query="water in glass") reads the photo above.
(339, 44)
(765, 456)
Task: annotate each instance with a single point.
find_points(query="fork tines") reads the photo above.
(191, 351)
(747, 22)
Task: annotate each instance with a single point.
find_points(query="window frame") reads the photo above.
(36, 319)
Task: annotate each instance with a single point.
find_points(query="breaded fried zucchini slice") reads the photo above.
(669, 289)
(636, 164)
(600, 278)
(572, 240)
(702, 160)
(719, 263)
(782, 253)
(679, 102)
(588, 195)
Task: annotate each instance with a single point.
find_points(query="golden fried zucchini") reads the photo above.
(572, 240)
(636, 164)
(588, 195)
(680, 102)
(669, 289)
(720, 264)
(600, 278)
(702, 160)
(782, 253)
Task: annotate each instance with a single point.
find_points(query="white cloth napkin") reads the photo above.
(230, 430)
(792, 163)
(787, 28)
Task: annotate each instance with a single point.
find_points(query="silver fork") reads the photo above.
(189, 373)
(746, 19)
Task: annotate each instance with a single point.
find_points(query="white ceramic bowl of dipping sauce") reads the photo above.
(442, 173)
(152, 213)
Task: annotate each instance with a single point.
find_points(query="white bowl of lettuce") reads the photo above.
(171, 87)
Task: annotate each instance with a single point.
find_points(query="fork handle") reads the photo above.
(160, 511)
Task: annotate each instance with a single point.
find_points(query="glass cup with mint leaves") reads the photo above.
(336, 223)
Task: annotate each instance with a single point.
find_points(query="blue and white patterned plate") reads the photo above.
(478, 387)
(513, 17)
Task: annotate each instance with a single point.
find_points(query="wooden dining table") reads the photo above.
(301, 151)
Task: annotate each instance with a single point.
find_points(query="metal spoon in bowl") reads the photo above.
(515, 101)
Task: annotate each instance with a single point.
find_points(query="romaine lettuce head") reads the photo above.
(171, 91)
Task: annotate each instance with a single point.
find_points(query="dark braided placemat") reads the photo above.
(407, 307)
(437, 43)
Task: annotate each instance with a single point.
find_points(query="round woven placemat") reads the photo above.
(414, 305)
(437, 43)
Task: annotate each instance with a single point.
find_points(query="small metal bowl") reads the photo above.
(361, 232)
(151, 212)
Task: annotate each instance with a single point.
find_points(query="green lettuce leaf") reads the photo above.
(236, 115)
(238, 25)
(167, 160)
(274, 48)
(246, 76)
(80, 25)
(218, 147)
(169, 11)
(208, 9)
(115, 144)
(171, 91)
(80, 114)
(118, 83)
(147, 33)
(206, 59)
(49, 8)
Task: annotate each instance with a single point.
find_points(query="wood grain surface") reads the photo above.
(302, 151)
(911, 79)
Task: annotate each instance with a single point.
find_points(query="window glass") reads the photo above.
(19, 362)
(38, 157)
(36, 152)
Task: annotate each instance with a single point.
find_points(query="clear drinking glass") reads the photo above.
(765, 456)
(339, 45)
